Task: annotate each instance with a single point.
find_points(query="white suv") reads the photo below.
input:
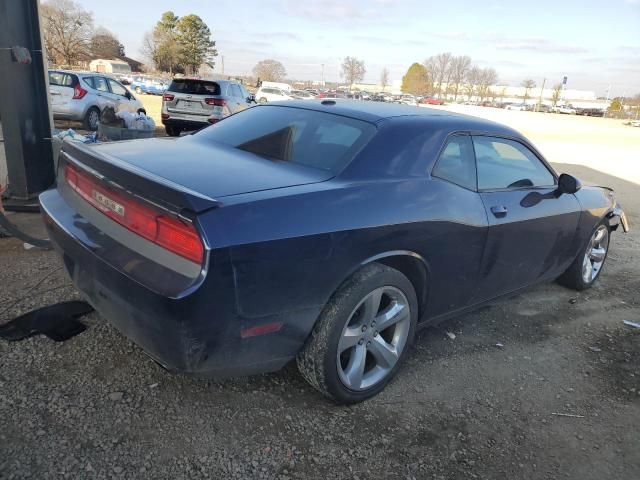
(270, 94)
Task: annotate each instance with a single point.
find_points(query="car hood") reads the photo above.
(209, 168)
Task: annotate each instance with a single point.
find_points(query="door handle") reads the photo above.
(499, 211)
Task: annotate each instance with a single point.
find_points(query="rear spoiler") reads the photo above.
(139, 182)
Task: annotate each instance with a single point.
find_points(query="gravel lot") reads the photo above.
(97, 407)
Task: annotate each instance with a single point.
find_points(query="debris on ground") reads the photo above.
(451, 335)
(571, 415)
(631, 324)
(595, 349)
(499, 345)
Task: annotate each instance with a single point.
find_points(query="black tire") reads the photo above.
(573, 276)
(262, 100)
(172, 131)
(138, 90)
(318, 359)
(91, 119)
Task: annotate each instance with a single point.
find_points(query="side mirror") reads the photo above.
(568, 184)
(127, 94)
(251, 98)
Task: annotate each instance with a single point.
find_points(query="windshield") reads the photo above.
(194, 87)
(316, 139)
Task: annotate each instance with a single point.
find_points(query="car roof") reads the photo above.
(375, 112)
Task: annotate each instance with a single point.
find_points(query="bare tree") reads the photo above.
(459, 68)
(471, 81)
(384, 78)
(486, 78)
(270, 70)
(353, 70)
(105, 44)
(557, 93)
(528, 84)
(439, 67)
(67, 30)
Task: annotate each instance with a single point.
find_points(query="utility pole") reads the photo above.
(322, 75)
(222, 64)
(544, 80)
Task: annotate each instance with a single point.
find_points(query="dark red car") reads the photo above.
(432, 101)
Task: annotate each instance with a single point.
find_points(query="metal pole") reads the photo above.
(544, 80)
(24, 105)
(322, 83)
(222, 64)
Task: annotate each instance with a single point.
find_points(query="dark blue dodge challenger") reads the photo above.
(324, 232)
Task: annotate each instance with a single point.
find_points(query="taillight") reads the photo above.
(168, 97)
(165, 116)
(170, 233)
(78, 92)
(217, 102)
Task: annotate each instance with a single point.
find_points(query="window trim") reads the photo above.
(528, 146)
(439, 156)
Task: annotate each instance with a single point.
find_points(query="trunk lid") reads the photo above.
(190, 172)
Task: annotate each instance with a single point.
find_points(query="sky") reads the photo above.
(595, 43)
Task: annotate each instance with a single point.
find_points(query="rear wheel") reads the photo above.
(91, 119)
(587, 266)
(262, 100)
(172, 131)
(138, 90)
(362, 335)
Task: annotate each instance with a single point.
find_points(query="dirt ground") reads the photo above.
(559, 399)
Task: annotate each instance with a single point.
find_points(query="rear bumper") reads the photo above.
(198, 333)
(184, 124)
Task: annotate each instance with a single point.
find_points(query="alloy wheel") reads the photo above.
(595, 255)
(373, 338)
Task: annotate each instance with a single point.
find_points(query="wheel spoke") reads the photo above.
(349, 339)
(597, 254)
(599, 236)
(587, 269)
(384, 353)
(372, 305)
(355, 368)
(394, 313)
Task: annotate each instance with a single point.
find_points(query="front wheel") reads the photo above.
(362, 335)
(587, 266)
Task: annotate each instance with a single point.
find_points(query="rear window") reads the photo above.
(194, 87)
(61, 79)
(316, 139)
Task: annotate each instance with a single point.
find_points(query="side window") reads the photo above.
(235, 90)
(89, 81)
(457, 163)
(117, 88)
(505, 163)
(60, 79)
(100, 84)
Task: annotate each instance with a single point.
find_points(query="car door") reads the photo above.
(101, 91)
(531, 227)
(455, 247)
(121, 96)
(235, 97)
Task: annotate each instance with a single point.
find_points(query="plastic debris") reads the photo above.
(451, 335)
(499, 345)
(71, 135)
(595, 349)
(136, 121)
(28, 246)
(631, 324)
(567, 415)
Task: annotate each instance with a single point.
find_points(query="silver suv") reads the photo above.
(81, 96)
(192, 103)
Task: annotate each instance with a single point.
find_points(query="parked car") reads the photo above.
(150, 86)
(81, 96)
(285, 232)
(409, 101)
(516, 106)
(432, 101)
(193, 103)
(566, 109)
(269, 94)
(301, 95)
